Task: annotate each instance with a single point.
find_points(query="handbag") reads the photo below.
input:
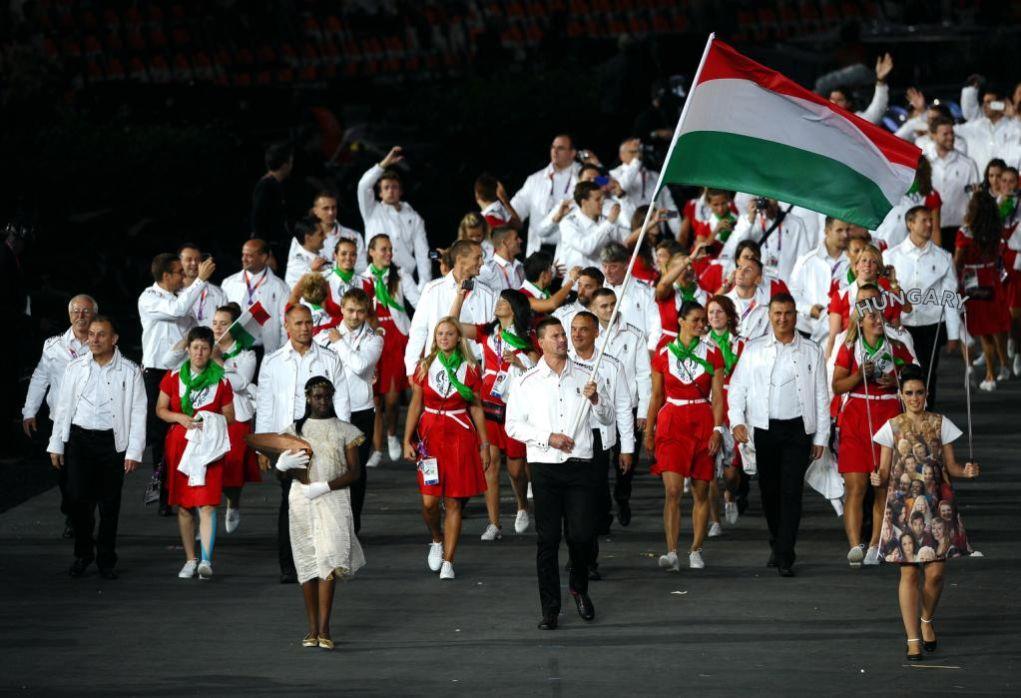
(494, 411)
(152, 490)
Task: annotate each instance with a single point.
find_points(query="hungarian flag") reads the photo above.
(750, 129)
(247, 327)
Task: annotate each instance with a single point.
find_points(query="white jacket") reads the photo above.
(404, 226)
(277, 384)
(271, 292)
(951, 174)
(613, 379)
(810, 283)
(166, 317)
(780, 251)
(437, 297)
(359, 351)
(129, 404)
(581, 239)
(748, 393)
(541, 193)
(205, 305)
(58, 351)
(628, 346)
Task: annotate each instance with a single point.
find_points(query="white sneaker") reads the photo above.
(730, 512)
(522, 521)
(1011, 348)
(374, 459)
(492, 532)
(435, 556)
(1004, 374)
(855, 555)
(393, 445)
(987, 385)
(669, 562)
(695, 560)
(715, 529)
(872, 556)
(447, 571)
(205, 569)
(980, 361)
(1017, 364)
(232, 520)
(529, 495)
(188, 571)
(687, 485)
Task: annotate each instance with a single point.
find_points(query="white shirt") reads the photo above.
(95, 408)
(299, 263)
(282, 379)
(639, 184)
(894, 229)
(613, 378)
(582, 238)
(813, 274)
(752, 313)
(437, 297)
(500, 274)
(166, 318)
(497, 210)
(924, 268)
(541, 403)
(779, 253)
(359, 351)
(211, 298)
(638, 306)
(58, 351)
(628, 346)
(401, 223)
(951, 174)
(541, 193)
(783, 399)
(270, 290)
(987, 140)
(877, 107)
(339, 233)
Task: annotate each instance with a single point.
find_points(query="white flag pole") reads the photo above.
(583, 413)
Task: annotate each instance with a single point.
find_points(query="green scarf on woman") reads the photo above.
(451, 362)
(209, 376)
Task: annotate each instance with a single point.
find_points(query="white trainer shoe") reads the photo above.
(188, 571)
(393, 445)
(687, 485)
(1004, 374)
(374, 459)
(855, 555)
(529, 494)
(447, 571)
(979, 361)
(205, 569)
(715, 529)
(1011, 348)
(492, 532)
(232, 520)
(730, 512)
(522, 521)
(872, 556)
(1017, 364)
(669, 562)
(435, 558)
(987, 385)
(695, 560)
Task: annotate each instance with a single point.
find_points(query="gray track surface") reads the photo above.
(731, 628)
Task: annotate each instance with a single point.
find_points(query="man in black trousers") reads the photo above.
(779, 390)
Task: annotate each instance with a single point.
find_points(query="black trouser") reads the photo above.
(622, 481)
(924, 337)
(155, 428)
(603, 515)
(284, 529)
(563, 492)
(365, 421)
(782, 455)
(95, 474)
(948, 236)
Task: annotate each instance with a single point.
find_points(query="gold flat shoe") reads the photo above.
(325, 642)
(309, 640)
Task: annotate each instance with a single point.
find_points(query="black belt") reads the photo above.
(786, 422)
(92, 432)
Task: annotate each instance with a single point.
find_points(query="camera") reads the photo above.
(434, 255)
(468, 284)
(761, 203)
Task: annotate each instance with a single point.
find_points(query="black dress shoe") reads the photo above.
(108, 573)
(288, 577)
(593, 575)
(585, 608)
(624, 512)
(549, 621)
(785, 571)
(79, 566)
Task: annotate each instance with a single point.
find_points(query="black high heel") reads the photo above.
(914, 657)
(926, 645)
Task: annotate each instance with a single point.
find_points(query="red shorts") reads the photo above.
(853, 454)
(682, 441)
(498, 437)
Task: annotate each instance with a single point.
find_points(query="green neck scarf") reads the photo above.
(724, 234)
(850, 276)
(238, 348)
(871, 351)
(344, 276)
(688, 293)
(382, 291)
(682, 352)
(210, 375)
(508, 336)
(1007, 207)
(914, 188)
(723, 342)
(451, 362)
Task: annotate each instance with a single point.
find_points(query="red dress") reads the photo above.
(496, 367)
(241, 464)
(645, 272)
(881, 405)
(208, 400)
(448, 435)
(981, 273)
(840, 302)
(685, 421)
(668, 309)
(390, 369)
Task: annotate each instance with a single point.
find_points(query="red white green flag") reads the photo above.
(247, 327)
(750, 129)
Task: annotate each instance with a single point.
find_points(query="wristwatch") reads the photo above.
(720, 429)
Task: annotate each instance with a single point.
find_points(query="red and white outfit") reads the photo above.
(883, 404)
(841, 301)
(668, 309)
(395, 323)
(241, 465)
(981, 271)
(211, 399)
(685, 421)
(1011, 258)
(447, 433)
(497, 373)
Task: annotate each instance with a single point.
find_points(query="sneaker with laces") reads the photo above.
(492, 532)
(529, 494)
(669, 562)
(695, 560)
(522, 521)
(447, 570)
(435, 558)
(730, 512)
(872, 556)
(715, 529)
(205, 569)
(979, 361)
(232, 520)
(374, 459)
(1004, 374)
(987, 386)
(188, 571)
(855, 555)
(393, 445)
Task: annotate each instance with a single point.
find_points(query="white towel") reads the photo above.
(823, 477)
(205, 445)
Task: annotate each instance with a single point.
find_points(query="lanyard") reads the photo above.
(253, 289)
(750, 308)
(202, 304)
(552, 186)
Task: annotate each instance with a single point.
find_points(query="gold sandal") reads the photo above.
(309, 641)
(325, 642)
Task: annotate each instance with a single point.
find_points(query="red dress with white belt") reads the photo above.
(497, 374)
(990, 313)
(448, 434)
(394, 323)
(859, 409)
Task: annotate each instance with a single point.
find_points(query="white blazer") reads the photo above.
(277, 378)
(359, 351)
(58, 351)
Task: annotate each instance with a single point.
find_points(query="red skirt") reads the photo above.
(390, 369)
(240, 465)
(856, 441)
(1014, 289)
(180, 492)
(682, 441)
(986, 317)
(456, 450)
(498, 437)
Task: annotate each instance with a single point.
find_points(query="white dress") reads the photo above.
(323, 537)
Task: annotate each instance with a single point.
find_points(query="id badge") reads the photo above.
(430, 470)
(499, 385)
(970, 279)
(772, 263)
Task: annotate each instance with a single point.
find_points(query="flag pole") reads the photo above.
(582, 413)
